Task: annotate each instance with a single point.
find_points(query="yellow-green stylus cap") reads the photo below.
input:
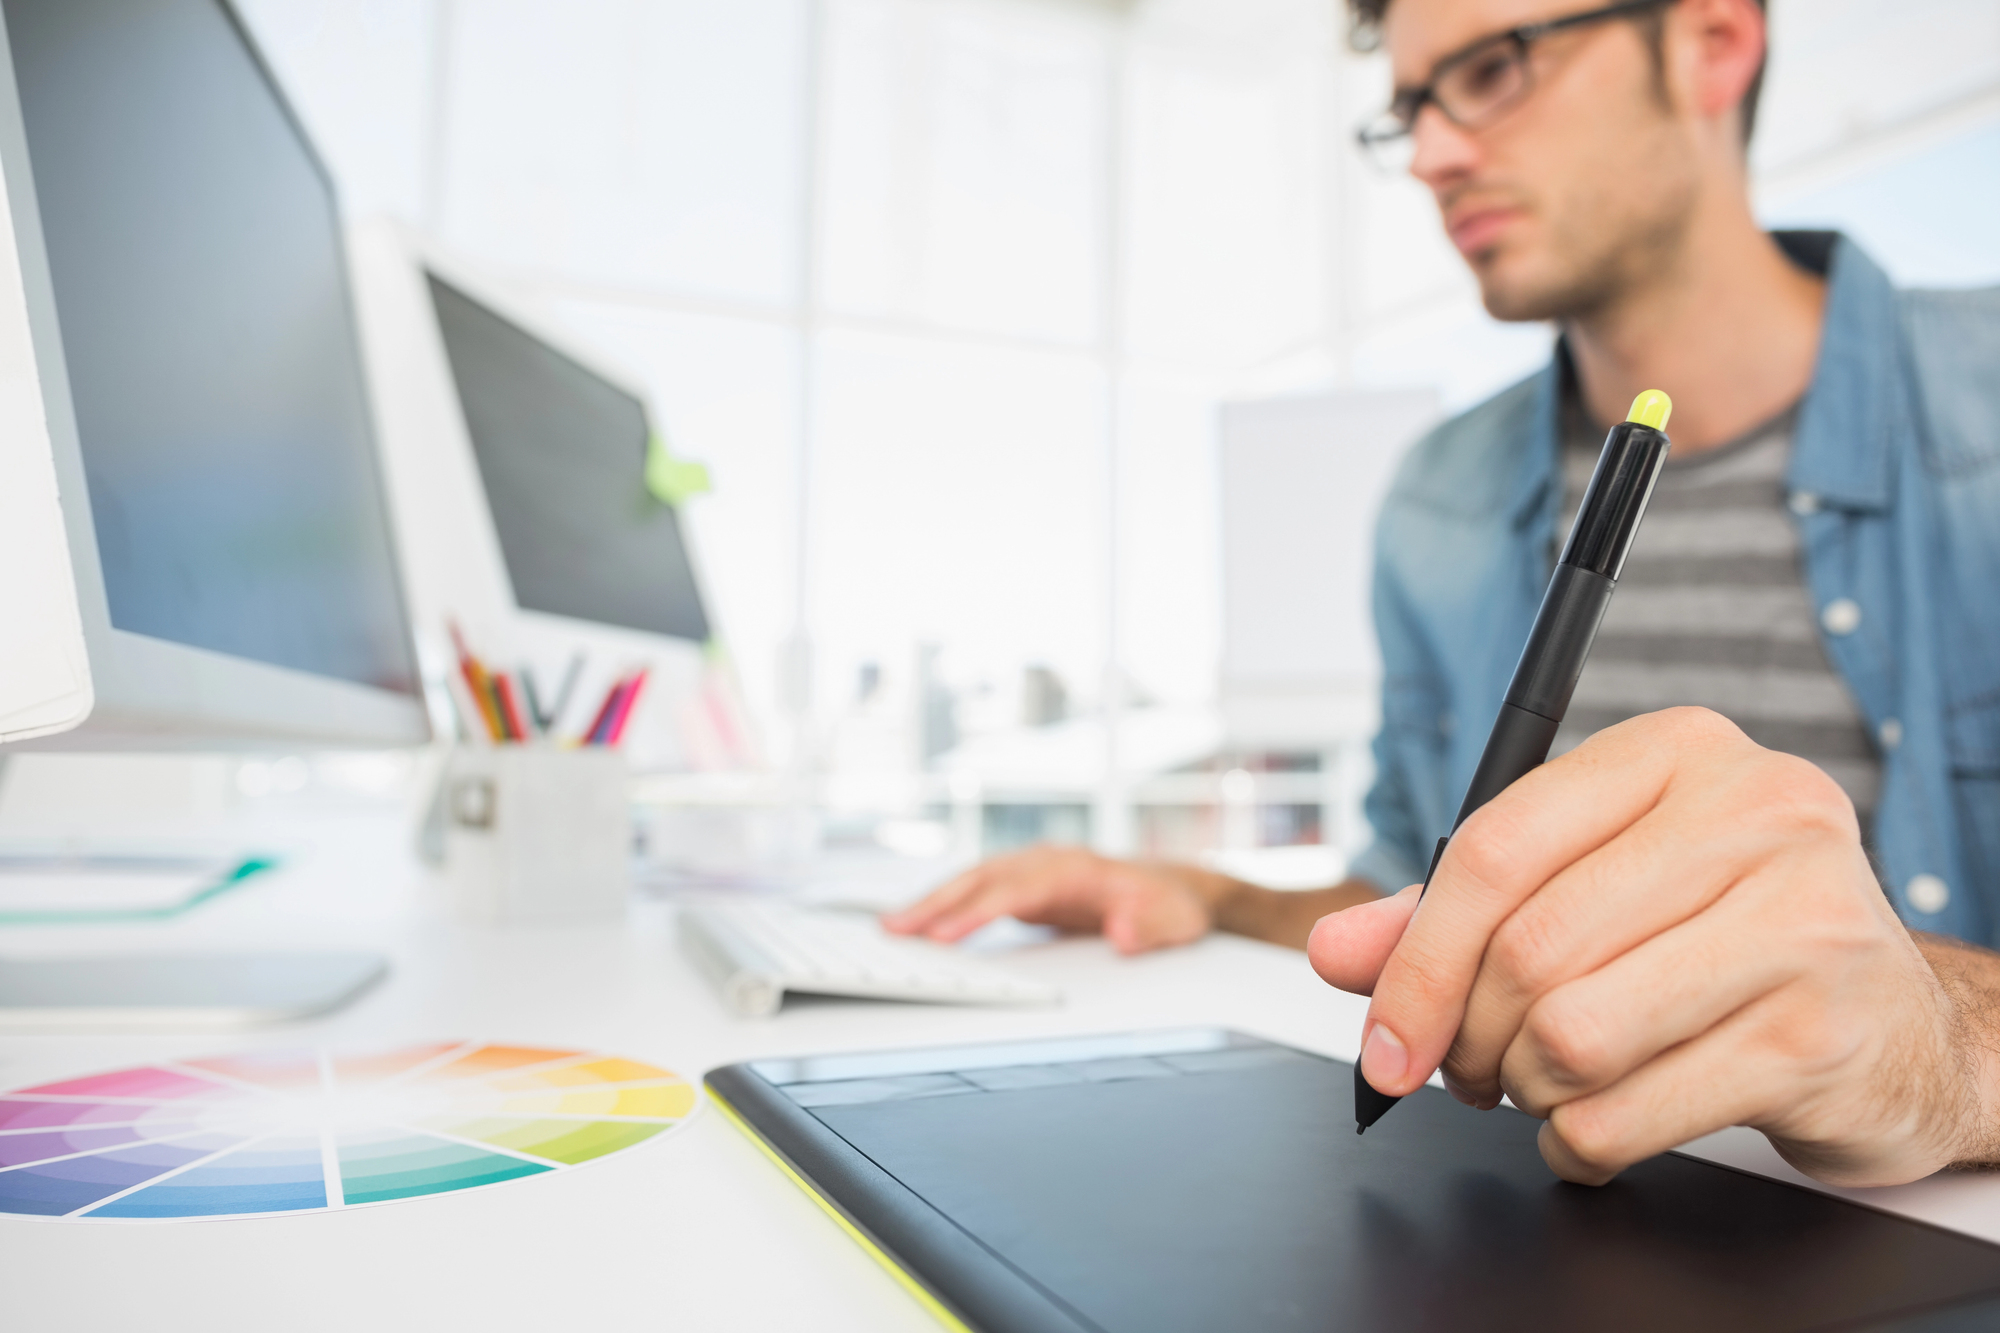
(1651, 408)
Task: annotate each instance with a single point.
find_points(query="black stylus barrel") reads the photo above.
(1572, 608)
(1550, 666)
(1615, 500)
(1557, 647)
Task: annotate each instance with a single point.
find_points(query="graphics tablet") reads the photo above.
(1204, 1179)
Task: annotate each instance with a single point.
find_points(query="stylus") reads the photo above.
(1586, 574)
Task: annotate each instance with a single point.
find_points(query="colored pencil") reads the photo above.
(471, 717)
(616, 732)
(593, 734)
(510, 707)
(538, 719)
(479, 683)
(601, 733)
(567, 690)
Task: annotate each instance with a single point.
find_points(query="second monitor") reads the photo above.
(523, 475)
(562, 453)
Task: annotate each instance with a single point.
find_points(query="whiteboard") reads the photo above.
(1302, 479)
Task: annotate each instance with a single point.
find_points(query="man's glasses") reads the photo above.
(1476, 85)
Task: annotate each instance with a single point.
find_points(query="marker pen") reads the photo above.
(1586, 573)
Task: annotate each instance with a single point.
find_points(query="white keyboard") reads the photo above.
(755, 952)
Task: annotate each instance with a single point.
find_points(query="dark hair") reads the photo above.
(1364, 33)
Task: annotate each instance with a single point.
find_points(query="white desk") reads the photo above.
(695, 1230)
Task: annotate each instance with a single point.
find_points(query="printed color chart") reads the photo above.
(289, 1131)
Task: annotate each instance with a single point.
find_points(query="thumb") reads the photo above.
(1137, 920)
(1348, 948)
(1125, 925)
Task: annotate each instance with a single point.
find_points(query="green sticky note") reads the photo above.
(673, 480)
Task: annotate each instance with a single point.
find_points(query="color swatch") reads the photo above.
(295, 1130)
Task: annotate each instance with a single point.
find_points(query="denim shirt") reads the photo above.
(1894, 482)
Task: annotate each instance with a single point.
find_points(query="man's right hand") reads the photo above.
(1137, 905)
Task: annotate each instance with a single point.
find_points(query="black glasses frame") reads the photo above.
(1400, 118)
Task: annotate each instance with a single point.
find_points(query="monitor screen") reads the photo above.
(195, 255)
(562, 455)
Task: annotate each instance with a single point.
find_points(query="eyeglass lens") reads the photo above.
(1470, 92)
(1483, 84)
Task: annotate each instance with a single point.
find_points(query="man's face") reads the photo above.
(1574, 195)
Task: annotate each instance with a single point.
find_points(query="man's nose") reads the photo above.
(1441, 151)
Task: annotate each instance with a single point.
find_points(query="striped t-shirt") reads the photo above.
(1713, 610)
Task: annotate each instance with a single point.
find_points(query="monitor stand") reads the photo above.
(164, 992)
(179, 992)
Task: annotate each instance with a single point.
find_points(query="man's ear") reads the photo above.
(1716, 48)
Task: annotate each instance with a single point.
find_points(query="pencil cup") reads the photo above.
(537, 834)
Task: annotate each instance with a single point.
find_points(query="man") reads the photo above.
(1698, 916)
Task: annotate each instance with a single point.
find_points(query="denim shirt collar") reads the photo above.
(1859, 397)
(1856, 402)
(1536, 495)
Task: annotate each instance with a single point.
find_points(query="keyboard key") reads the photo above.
(781, 947)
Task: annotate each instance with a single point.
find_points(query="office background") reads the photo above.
(1047, 358)
(948, 294)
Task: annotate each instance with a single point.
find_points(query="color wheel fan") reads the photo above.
(296, 1130)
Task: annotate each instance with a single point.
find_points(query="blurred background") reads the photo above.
(1047, 356)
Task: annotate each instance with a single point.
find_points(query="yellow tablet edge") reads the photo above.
(895, 1270)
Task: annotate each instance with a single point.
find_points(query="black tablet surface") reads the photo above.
(1203, 1179)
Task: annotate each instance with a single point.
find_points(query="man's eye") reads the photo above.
(1486, 74)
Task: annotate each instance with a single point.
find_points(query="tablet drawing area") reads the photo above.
(1203, 1179)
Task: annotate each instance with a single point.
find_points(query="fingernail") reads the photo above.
(1384, 1059)
(1461, 1094)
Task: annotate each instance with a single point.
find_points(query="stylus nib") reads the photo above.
(1369, 1105)
(1360, 1129)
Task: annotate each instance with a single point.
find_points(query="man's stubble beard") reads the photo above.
(1603, 246)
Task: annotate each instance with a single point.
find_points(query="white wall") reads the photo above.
(946, 291)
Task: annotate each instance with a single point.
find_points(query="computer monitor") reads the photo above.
(562, 456)
(192, 521)
(517, 464)
(195, 547)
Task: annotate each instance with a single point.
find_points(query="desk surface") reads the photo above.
(697, 1228)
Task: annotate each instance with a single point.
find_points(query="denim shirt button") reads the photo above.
(1928, 894)
(1804, 502)
(1841, 616)
(1890, 733)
